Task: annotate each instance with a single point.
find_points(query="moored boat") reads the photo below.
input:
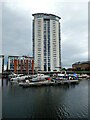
(83, 76)
(66, 77)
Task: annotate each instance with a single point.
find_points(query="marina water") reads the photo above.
(61, 101)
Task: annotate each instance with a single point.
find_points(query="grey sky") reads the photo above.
(17, 28)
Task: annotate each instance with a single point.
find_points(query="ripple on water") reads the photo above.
(84, 111)
(55, 101)
(62, 112)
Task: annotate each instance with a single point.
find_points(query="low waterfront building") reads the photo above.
(1, 63)
(20, 64)
(81, 65)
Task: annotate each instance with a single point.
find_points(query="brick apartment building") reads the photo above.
(81, 65)
(20, 64)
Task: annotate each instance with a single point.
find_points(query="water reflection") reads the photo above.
(62, 101)
(5, 82)
(0, 98)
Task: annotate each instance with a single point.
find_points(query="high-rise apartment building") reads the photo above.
(46, 42)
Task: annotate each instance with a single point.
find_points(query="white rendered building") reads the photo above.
(46, 42)
(1, 64)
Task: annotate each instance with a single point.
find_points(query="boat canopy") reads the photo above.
(60, 74)
(73, 75)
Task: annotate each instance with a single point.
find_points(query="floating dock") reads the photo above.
(49, 83)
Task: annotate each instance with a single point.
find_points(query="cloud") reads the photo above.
(74, 33)
(16, 33)
(17, 28)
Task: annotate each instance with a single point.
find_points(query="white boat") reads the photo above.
(41, 77)
(35, 79)
(83, 76)
(32, 77)
(20, 78)
(12, 75)
(27, 82)
(65, 77)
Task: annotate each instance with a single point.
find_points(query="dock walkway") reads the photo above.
(49, 83)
